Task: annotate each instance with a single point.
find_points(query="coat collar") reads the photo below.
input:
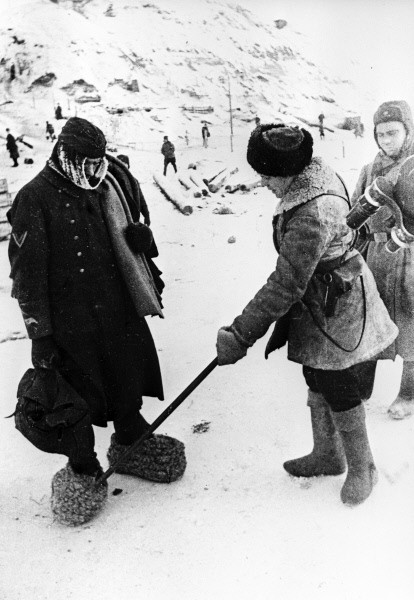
(60, 182)
(317, 178)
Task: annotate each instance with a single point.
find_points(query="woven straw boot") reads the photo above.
(75, 499)
(160, 458)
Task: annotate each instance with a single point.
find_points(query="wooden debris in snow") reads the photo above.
(250, 185)
(195, 178)
(220, 180)
(189, 185)
(173, 194)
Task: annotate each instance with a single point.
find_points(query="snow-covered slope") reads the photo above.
(158, 59)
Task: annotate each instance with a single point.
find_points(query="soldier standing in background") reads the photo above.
(394, 273)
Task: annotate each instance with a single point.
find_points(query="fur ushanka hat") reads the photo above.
(395, 110)
(277, 150)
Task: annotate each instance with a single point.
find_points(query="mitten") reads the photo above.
(139, 237)
(146, 215)
(45, 353)
(229, 348)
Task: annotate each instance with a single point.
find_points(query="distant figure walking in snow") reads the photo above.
(168, 150)
(321, 131)
(359, 130)
(205, 134)
(325, 303)
(11, 146)
(50, 132)
(321, 118)
(58, 112)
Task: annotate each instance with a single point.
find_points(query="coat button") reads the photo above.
(67, 205)
(79, 253)
(76, 237)
(81, 270)
(72, 221)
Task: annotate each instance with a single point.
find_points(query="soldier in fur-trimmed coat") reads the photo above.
(327, 299)
(394, 273)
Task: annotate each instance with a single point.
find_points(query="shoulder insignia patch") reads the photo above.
(19, 239)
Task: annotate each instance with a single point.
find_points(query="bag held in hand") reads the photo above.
(50, 413)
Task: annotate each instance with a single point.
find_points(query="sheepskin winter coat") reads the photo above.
(66, 279)
(312, 235)
(394, 273)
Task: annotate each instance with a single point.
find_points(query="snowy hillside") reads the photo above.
(154, 62)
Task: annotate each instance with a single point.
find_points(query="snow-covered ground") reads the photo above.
(236, 526)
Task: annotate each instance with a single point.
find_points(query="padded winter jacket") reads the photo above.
(314, 236)
(168, 150)
(393, 273)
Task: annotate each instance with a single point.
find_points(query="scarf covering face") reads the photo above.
(73, 166)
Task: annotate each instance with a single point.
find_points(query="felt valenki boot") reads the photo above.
(362, 473)
(75, 499)
(160, 458)
(403, 405)
(327, 456)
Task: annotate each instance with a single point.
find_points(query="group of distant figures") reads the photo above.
(167, 148)
(11, 141)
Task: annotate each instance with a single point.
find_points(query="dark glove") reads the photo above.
(146, 215)
(45, 353)
(229, 349)
(139, 237)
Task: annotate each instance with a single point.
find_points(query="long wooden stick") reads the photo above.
(162, 417)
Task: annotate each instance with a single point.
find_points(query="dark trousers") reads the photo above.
(128, 429)
(168, 161)
(14, 156)
(343, 389)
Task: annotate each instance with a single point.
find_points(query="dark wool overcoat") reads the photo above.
(11, 146)
(394, 273)
(317, 234)
(66, 279)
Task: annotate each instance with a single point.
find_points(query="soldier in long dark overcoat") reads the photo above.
(11, 146)
(82, 270)
(325, 303)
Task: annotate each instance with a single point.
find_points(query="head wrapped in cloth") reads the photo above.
(79, 141)
(277, 150)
